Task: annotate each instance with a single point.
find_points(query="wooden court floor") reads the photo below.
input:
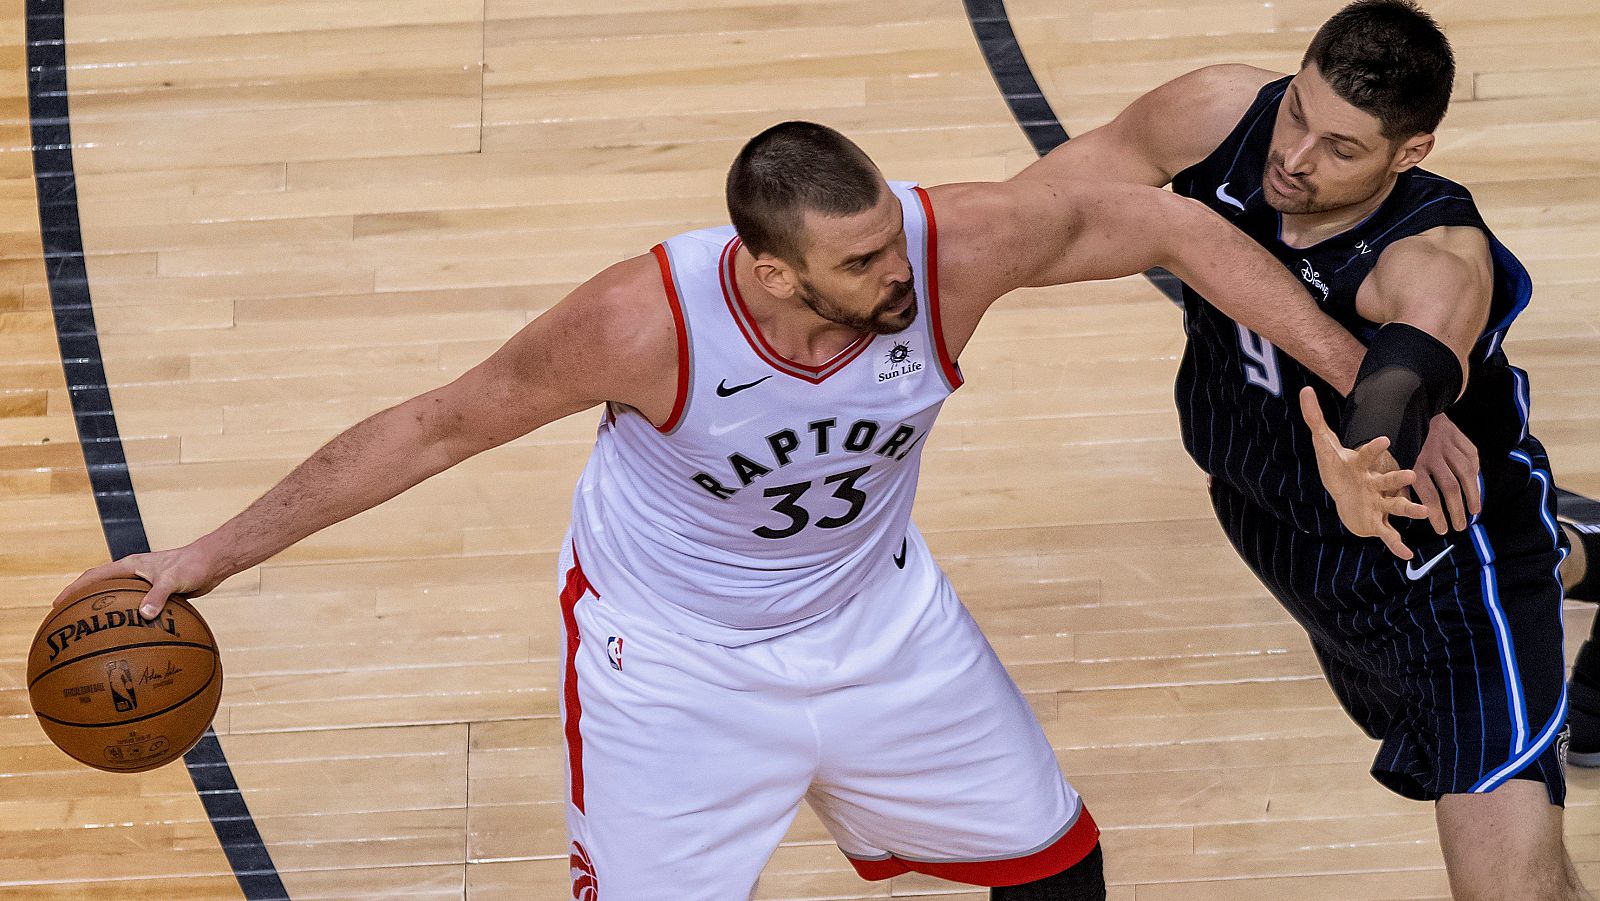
(298, 213)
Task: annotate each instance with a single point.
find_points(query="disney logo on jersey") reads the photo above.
(820, 438)
(1310, 276)
(898, 362)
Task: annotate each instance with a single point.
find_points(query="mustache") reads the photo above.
(1275, 161)
(898, 293)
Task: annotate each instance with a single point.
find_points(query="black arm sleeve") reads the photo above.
(1407, 377)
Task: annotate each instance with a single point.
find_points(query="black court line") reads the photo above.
(97, 421)
(991, 25)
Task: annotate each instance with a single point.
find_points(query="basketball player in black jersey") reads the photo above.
(1443, 643)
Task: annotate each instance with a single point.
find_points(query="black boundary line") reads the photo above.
(991, 25)
(96, 420)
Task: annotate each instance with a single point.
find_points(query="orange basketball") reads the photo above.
(117, 691)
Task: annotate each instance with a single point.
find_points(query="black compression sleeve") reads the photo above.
(1407, 377)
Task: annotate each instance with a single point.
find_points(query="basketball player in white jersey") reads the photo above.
(751, 618)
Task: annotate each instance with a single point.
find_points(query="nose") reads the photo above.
(1297, 158)
(900, 271)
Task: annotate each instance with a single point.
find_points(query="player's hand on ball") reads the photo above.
(1447, 476)
(1367, 485)
(183, 571)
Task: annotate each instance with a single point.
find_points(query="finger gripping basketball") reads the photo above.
(120, 692)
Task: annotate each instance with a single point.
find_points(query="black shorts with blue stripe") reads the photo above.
(1453, 660)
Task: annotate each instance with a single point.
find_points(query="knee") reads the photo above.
(1083, 881)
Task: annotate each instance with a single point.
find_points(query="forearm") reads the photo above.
(362, 467)
(1242, 280)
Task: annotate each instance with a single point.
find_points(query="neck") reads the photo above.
(1301, 230)
(788, 325)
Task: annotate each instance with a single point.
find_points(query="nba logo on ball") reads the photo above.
(614, 651)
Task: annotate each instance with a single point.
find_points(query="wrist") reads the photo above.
(216, 557)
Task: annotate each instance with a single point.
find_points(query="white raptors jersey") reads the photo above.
(776, 490)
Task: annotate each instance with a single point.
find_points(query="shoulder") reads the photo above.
(979, 222)
(1222, 86)
(614, 336)
(1446, 269)
(1197, 110)
(625, 308)
(1449, 253)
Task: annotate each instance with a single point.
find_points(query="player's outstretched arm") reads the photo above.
(611, 339)
(1033, 233)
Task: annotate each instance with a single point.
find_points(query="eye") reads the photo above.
(1341, 154)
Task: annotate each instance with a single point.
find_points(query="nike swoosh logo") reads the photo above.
(725, 390)
(1222, 195)
(900, 558)
(1414, 572)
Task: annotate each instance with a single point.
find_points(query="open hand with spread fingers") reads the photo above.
(1367, 485)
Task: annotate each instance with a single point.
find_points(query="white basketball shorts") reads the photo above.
(891, 716)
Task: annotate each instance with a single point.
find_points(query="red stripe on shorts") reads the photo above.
(571, 593)
(1066, 851)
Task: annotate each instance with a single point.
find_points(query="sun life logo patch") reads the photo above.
(898, 361)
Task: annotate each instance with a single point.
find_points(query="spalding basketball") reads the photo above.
(120, 692)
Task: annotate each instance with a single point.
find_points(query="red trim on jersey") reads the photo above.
(947, 363)
(758, 342)
(571, 593)
(1064, 853)
(660, 250)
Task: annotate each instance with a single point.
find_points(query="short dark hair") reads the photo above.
(1388, 58)
(792, 168)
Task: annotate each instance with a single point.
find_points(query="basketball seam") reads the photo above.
(195, 694)
(129, 647)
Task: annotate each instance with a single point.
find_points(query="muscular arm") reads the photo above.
(1440, 281)
(1162, 133)
(995, 238)
(1438, 285)
(611, 339)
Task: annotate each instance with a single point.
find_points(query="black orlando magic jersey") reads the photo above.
(1237, 394)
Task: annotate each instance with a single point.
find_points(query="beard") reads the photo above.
(881, 321)
(1304, 202)
(1308, 199)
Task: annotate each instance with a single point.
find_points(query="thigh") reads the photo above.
(683, 772)
(1504, 844)
(1502, 598)
(934, 761)
(1453, 659)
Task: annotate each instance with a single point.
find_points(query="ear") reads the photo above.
(776, 276)
(1411, 153)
